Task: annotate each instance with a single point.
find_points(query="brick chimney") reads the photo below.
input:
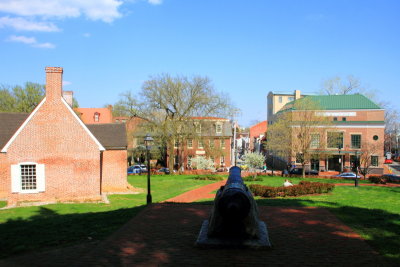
(68, 96)
(53, 83)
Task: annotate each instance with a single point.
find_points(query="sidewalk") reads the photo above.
(197, 194)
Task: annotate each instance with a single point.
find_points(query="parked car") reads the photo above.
(143, 168)
(164, 170)
(348, 175)
(388, 161)
(299, 171)
(134, 169)
(392, 178)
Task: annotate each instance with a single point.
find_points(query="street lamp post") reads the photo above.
(356, 163)
(148, 141)
(340, 159)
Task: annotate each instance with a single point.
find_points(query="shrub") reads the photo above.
(209, 177)
(377, 179)
(251, 178)
(202, 163)
(304, 188)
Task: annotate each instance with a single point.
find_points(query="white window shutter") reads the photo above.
(15, 178)
(40, 178)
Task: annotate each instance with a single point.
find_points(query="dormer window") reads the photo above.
(198, 127)
(218, 128)
(96, 116)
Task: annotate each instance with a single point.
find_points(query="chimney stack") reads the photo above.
(54, 83)
(297, 94)
(68, 96)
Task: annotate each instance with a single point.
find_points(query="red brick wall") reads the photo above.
(114, 171)
(72, 159)
(4, 173)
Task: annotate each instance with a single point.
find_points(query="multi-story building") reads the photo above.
(213, 139)
(357, 125)
(277, 100)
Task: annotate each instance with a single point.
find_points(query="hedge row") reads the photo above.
(304, 188)
(209, 177)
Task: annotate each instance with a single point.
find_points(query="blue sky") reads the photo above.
(247, 48)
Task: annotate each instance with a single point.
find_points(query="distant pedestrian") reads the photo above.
(287, 183)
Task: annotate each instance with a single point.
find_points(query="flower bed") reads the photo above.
(303, 188)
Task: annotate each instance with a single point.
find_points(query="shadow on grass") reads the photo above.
(381, 229)
(47, 229)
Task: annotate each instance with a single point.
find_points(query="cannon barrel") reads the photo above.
(234, 202)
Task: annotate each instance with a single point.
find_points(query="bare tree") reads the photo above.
(169, 107)
(299, 131)
(367, 151)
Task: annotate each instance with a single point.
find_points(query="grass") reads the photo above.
(36, 228)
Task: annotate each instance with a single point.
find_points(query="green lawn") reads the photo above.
(35, 228)
(373, 212)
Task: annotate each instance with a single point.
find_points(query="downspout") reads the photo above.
(101, 172)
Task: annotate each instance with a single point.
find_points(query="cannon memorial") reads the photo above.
(234, 220)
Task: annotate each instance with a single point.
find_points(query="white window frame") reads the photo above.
(212, 143)
(190, 143)
(218, 128)
(223, 143)
(198, 127)
(200, 144)
(16, 179)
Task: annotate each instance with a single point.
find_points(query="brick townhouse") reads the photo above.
(357, 124)
(213, 139)
(51, 155)
(95, 115)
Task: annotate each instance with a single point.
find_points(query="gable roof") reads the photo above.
(338, 102)
(110, 135)
(10, 122)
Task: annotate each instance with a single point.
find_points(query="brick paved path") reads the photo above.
(197, 194)
(164, 235)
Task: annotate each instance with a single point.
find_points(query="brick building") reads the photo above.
(257, 134)
(357, 127)
(213, 139)
(51, 155)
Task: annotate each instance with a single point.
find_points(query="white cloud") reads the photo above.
(66, 83)
(21, 24)
(30, 41)
(22, 39)
(155, 2)
(105, 10)
(44, 45)
(86, 34)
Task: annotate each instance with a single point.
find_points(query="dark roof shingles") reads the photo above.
(9, 124)
(110, 135)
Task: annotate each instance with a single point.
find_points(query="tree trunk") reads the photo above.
(304, 170)
(171, 155)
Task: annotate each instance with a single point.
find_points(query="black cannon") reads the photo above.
(234, 219)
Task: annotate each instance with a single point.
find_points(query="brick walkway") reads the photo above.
(197, 194)
(164, 234)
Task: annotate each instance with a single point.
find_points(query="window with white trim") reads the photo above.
(190, 143)
(212, 142)
(314, 140)
(27, 177)
(200, 144)
(222, 143)
(222, 160)
(198, 127)
(374, 161)
(218, 128)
